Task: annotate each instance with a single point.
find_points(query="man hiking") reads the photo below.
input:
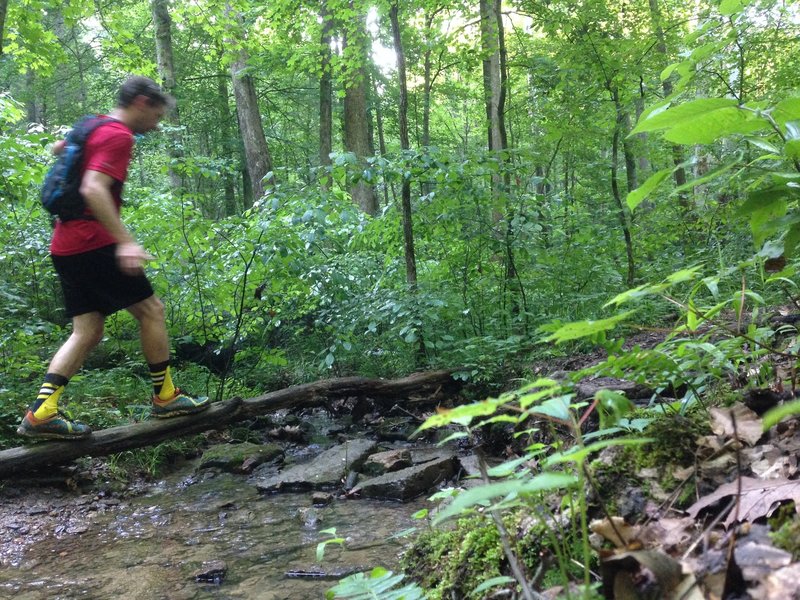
(100, 266)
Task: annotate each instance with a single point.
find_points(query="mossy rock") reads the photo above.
(240, 458)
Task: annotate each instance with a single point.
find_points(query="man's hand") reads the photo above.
(131, 258)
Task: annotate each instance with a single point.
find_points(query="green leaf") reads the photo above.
(683, 113)
(787, 110)
(792, 149)
(713, 125)
(485, 494)
(638, 195)
(777, 414)
(582, 329)
(731, 7)
(493, 582)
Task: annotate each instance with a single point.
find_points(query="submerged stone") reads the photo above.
(240, 458)
(326, 471)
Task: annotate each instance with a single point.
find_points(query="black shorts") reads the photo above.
(92, 282)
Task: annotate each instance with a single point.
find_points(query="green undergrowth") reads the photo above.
(453, 561)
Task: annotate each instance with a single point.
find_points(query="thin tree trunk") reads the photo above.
(256, 150)
(226, 142)
(3, 11)
(677, 152)
(621, 214)
(166, 70)
(408, 230)
(325, 90)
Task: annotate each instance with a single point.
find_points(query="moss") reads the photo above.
(452, 563)
(674, 440)
(786, 526)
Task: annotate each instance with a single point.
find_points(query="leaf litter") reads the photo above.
(720, 547)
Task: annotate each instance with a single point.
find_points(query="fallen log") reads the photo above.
(436, 385)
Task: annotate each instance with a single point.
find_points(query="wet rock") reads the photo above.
(325, 472)
(309, 517)
(410, 482)
(386, 462)
(213, 572)
(396, 428)
(240, 458)
(321, 498)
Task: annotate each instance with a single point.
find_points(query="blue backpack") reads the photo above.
(61, 188)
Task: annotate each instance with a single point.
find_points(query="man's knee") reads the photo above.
(150, 309)
(88, 331)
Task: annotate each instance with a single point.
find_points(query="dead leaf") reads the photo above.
(616, 531)
(758, 499)
(671, 534)
(748, 425)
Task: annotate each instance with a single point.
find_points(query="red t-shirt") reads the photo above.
(108, 150)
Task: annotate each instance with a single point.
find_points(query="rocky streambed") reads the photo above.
(243, 520)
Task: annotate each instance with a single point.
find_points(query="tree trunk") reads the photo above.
(166, 70)
(226, 142)
(408, 229)
(621, 213)
(493, 75)
(325, 90)
(356, 118)
(3, 11)
(677, 152)
(433, 386)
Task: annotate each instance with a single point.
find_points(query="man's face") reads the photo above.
(148, 115)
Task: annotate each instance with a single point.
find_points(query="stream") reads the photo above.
(60, 544)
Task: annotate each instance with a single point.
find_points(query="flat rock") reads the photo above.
(388, 461)
(324, 472)
(408, 483)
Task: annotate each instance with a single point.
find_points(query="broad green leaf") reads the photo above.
(713, 125)
(463, 414)
(634, 294)
(764, 145)
(787, 110)
(762, 221)
(731, 7)
(582, 329)
(558, 408)
(485, 494)
(692, 320)
(791, 241)
(684, 275)
(792, 149)
(636, 197)
(777, 414)
(683, 112)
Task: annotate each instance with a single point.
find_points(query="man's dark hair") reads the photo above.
(142, 86)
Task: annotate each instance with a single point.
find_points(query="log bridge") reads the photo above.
(430, 386)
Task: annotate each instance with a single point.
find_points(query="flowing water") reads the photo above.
(153, 545)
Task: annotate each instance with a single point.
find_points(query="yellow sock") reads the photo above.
(162, 381)
(47, 401)
(168, 389)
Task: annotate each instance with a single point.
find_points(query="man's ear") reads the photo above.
(141, 101)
